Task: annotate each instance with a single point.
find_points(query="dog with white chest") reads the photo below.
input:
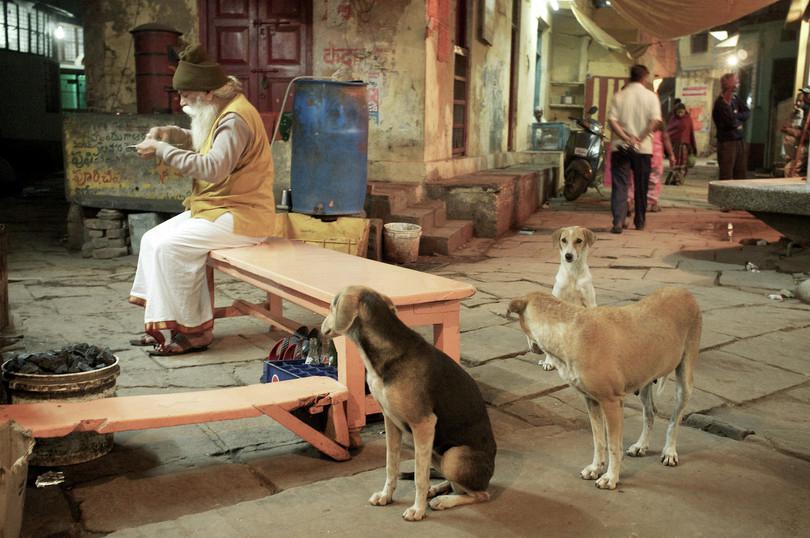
(424, 393)
(573, 283)
(608, 353)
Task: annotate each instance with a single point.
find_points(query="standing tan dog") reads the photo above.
(423, 392)
(607, 353)
(573, 283)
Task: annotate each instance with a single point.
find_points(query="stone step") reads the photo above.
(446, 239)
(423, 216)
(387, 198)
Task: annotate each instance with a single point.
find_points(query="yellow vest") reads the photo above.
(247, 193)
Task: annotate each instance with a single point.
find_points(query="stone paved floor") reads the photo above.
(246, 478)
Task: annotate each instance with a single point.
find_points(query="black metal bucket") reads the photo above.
(76, 447)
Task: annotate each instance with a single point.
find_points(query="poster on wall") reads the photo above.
(486, 20)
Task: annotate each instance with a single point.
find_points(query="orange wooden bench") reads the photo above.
(311, 276)
(109, 415)
(302, 274)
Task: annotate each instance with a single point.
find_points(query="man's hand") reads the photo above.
(147, 148)
(672, 162)
(159, 133)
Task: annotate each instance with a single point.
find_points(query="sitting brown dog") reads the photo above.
(608, 353)
(423, 392)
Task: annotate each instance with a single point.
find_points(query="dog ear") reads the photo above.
(345, 311)
(390, 303)
(517, 306)
(555, 237)
(590, 237)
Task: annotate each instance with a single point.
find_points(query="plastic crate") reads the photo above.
(275, 371)
(550, 136)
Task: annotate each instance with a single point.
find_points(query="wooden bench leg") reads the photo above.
(275, 306)
(447, 335)
(307, 433)
(351, 373)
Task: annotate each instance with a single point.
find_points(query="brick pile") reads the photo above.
(106, 236)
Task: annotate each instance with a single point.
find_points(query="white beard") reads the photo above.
(203, 116)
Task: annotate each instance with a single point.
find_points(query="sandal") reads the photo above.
(144, 341)
(279, 351)
(180, 345)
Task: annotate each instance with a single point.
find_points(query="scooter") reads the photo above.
(584, 156)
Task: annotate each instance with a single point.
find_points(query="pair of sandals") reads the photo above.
(304, 344)
(180, 344)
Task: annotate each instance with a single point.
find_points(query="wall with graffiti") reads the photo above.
(381, 43)
(102, 171)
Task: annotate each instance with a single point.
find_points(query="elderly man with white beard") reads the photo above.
(227, 152)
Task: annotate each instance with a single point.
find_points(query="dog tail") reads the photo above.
(516, 306)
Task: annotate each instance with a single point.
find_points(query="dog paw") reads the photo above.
(414, 514)
(669, 458)
(591, 472)
(547, 366)
(380, 498)
(606, 482)
(636, 450)
(442, 502)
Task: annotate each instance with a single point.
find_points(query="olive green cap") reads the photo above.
(196, 72)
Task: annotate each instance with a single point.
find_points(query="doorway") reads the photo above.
(264, 43)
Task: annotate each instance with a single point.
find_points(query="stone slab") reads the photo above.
(739, 380)
(537, 475)
(302, 465)
(175, 379)
(783, 419)
(711, 339)
(223, 350)
(674, 276)
(507, 380)
(510, 290)
(249, 434)
(478, 318)
(785, 349)
(754, 320)
(127, 501)
(564, 407)
(483, 345)
(764, 280)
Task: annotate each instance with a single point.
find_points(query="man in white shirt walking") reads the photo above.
(633, 115)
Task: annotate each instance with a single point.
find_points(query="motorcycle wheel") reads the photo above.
(575, 185)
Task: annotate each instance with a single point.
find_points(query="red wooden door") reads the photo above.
(265, 43)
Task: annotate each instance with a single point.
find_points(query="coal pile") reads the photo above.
(68, 360)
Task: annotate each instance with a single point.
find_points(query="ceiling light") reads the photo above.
(731, 61)
(554, 4)
(720, 35)
(59, 32)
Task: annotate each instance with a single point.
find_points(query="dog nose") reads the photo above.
(569, 257)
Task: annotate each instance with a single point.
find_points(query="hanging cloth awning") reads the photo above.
(670, 19)
(599, 35)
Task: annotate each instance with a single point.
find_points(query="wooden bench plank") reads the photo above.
(321, 273)
(108, 415)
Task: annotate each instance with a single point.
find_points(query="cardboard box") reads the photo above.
(16, 445)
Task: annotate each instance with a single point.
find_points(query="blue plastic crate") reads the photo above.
(549, 136)
(275, 371)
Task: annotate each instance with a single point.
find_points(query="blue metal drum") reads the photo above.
(329, 167)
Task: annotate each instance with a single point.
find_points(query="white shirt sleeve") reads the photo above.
(231, 138)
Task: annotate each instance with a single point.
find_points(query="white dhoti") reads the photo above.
(170, 282)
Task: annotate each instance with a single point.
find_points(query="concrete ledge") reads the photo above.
(782, 203)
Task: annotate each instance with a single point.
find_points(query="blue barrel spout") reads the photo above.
(329, 168)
